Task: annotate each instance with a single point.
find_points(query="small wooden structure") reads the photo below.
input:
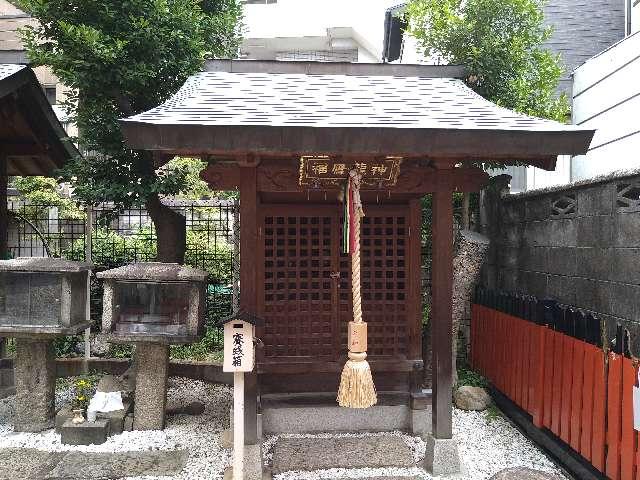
(285, 134)
(32, 140)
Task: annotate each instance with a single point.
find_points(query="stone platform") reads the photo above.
(25, 463)
(291, 454)
(315, 413)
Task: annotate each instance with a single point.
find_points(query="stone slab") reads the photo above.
(314, 419)
(23, 463)
(85, 466)
(86, 433)
(340, 452)
(522, 473)
(380, 478)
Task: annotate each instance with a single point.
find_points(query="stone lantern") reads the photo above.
(40, 299)
(153, 305)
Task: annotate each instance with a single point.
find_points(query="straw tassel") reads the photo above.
(356, 383)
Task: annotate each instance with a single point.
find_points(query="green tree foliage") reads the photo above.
(121, 58)
(44, 192)
(500, 42)
(193, 188)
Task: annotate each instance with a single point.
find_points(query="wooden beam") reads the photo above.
(441, 310)
(4, 213)
(279, 176)
(248, 298)
(222, 176)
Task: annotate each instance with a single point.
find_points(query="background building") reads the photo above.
(328, 30)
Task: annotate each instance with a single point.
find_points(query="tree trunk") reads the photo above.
(471, 252)
(171, 230)
(466, 201)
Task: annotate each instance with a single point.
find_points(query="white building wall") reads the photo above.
(307, 26)
(606, 97)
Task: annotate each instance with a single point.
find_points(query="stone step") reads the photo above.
(314, 453)
(31, 464)
(319, 413)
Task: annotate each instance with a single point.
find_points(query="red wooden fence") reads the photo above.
(568, 386)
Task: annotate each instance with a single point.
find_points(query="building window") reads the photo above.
(50, 92)
(319, 56)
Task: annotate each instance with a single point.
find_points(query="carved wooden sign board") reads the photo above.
(327, 172)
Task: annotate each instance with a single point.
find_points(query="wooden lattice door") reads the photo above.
(384, 283)
(299, 291)
(306, 295)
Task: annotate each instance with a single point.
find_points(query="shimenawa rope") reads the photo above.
(356, 383)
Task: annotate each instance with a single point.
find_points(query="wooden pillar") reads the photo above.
(441, 320)
(414, 303)
(248, 286)
(4, 214)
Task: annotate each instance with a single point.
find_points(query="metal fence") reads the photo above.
(118, 238)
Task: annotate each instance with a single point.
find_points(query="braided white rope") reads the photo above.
(355, 260)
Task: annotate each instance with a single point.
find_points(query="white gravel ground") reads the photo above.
(487, 445)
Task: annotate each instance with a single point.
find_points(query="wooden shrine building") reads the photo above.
(285, 134)
(32, 140)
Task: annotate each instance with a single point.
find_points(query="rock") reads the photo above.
(128, 378)
(522, 473)
(116, 418)
(471, 398)
(128, 423)
(110, 383)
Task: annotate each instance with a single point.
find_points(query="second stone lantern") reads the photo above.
(153, 305)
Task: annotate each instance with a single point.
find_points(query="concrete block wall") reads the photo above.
(578, 244)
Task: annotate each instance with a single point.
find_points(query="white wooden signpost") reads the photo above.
(239, 357)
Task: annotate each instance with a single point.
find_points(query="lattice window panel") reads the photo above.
(628, 197)
(297, 286)
(384, 241)
(564, 205)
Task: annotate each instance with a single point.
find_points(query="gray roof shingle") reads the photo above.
(235, 99)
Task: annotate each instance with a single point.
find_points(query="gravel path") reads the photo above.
(200, 434)
(487, 445)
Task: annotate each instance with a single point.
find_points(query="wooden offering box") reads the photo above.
(154, 302)
(43, 297)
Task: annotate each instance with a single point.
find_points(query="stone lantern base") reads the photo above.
(152, 371)
(35, 377)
